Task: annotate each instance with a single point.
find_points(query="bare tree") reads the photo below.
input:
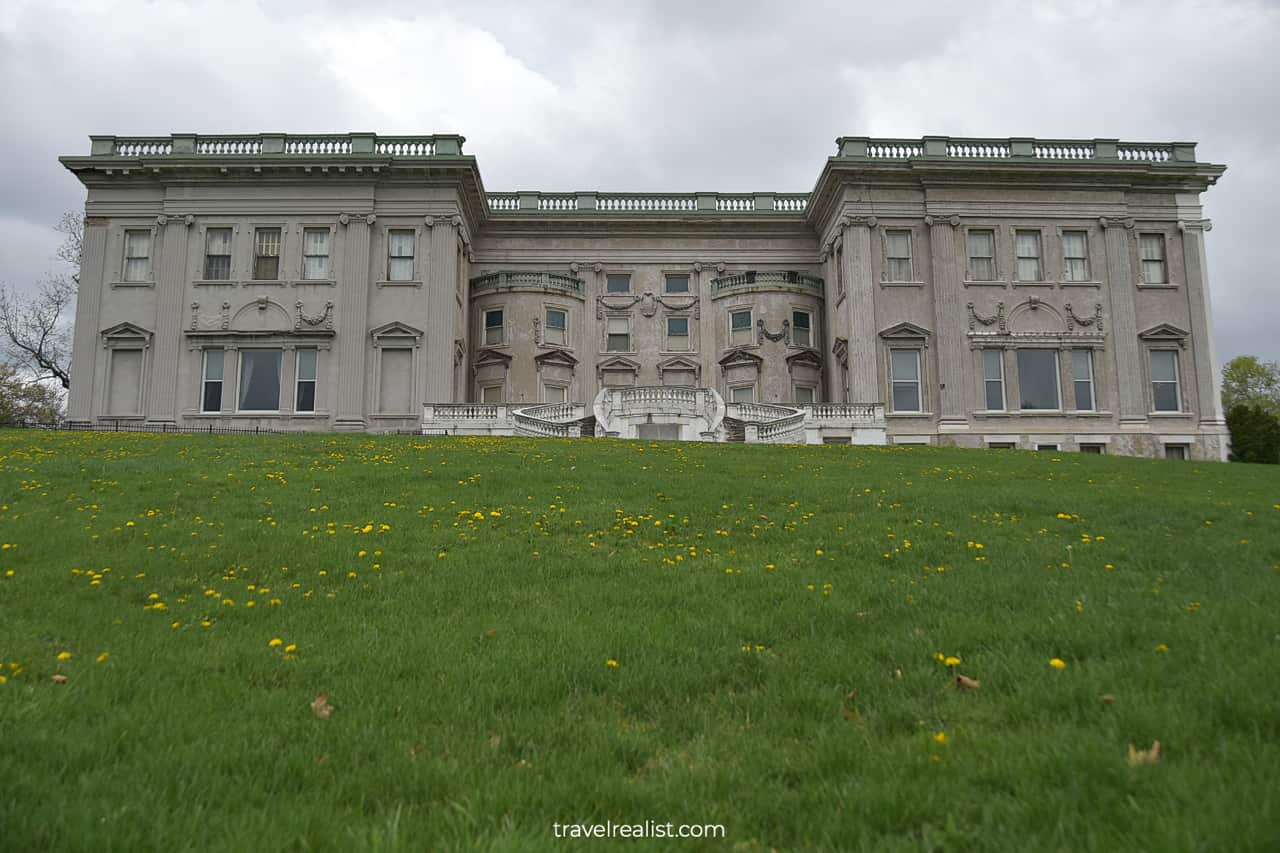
(34, 330)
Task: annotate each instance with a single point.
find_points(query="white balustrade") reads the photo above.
(1149, 153)
(1064, 150)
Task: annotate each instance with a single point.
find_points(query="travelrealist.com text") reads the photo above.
(647, 829)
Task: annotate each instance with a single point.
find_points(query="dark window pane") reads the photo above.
(266, 268)
(212, 397)
(618, 284)
(306, 397)
(995, 395)
(259, 380)
(1166, 396)
(906, 397)
(677, 284)
(1038, 378)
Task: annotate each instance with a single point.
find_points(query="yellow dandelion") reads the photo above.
(101, 657)
(291, 648)
(64, 655)
(176, 625)
(611, 663)
(1058, 663)
(952, 660)
(1162, 648)
(275, 641)
(940, 737)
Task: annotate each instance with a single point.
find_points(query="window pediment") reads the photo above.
(555, 357)
(741, 358)
(805, 358)
(906, 332)
(396, 330)
(1164, 332)
(488, 356)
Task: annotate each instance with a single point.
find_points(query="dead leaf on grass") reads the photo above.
(964, 682)
(58, 678)
(320, 706)
(848, 708)
(1138, 757)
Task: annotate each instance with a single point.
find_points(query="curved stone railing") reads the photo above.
(766, 278)
(617, 408)
(509, 279)
(771, 423)
(549, 420)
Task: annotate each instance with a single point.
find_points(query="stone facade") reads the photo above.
(1012, 292)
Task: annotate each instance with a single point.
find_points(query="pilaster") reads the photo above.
(442, 288)
(1208, 387)
(171, 288)
(948, 307)
(1124, 322)
(707, 320)
(85, 349)
(353, 324)
(860, 290)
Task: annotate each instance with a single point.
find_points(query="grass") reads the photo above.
(459, 601)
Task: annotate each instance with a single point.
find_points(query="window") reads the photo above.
(677, 284)
(1027, 247)
(137, 255)
(400, 254)
(904, 373)
(739, 328)
(837, 439)
(305, 394)
(742, 394)
(1092, 449)
(897, 250)
(982, 255)
(554, 393)
(1052, 447)
(124, 390)
(1082, 376)
(259, 380)
(801, 328)
(491, 394)
(1175, 451)
(840, 271)
(678, 334)
(211, 390)
(1038, 379)
(617, 283)
(804, 395)
(993, 378)
(618, 334)
(493, 328)
(1075, 256)
(266, 254)
(1153, 265)
(395, 380)
(554, 331)
(1001, 445)
(217, 254)
(315, 254)
(1164, 381)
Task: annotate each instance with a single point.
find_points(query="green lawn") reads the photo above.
(460, 601)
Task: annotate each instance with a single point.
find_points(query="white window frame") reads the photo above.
(205, 380)
(1067, 273)
(230, 256)
(279, 255)
(889, 260)
(742, 386)
(547, 328)
(299, 381)
(744, 337)
(970, 257)
(413, 258)
(240, 363)
(1038, 257)
(501, 328)
(1000, 380)
(687, 336)
(148, 273)
(918, 381)
(302, 253)
(795, 336)
(608, 320)
(1091, 381)
(1057, 378)
(1176, 381)
(1163, 260)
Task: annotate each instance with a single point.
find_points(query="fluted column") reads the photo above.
(860, 289)
(84, 347)
(707, 319)
(952, 346)
(1124, 322)
(171, 291)
(353, 323)
(1208, 387)
(441, 287)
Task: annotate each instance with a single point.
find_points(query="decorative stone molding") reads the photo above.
(459, 351)
(840, 349)
(697, 266)
(573, 267)
(537, 330)
(953, 220)
(648, 301)
(220, 321)
(998, 317)
(370, 219)
(1165, 333)
(859, 221)
(597, 267)
(720, 267)
(1128, 223)
(429, 221)
(344, 220)
(1074, 320)
(322, 320)
(762, 333)
(126, 335)
(187, 219)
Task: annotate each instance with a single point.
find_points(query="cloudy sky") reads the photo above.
(656, 95)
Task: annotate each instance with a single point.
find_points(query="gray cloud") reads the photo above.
(653, 95)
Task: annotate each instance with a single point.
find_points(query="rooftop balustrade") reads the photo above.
(766, 279)
(1014, 149)
(190, 145)
(516, 279)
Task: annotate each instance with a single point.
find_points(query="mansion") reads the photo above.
(1021, 293)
